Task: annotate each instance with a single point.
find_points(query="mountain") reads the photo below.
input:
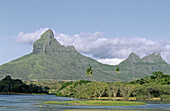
(133, 58)
(153, 58)
(136, 67)
(52, 61)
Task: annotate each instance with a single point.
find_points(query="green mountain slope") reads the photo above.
(134, 67)
(52, 61)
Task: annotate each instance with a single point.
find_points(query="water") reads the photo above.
(35, 103)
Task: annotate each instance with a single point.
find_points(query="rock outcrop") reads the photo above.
(52, 61)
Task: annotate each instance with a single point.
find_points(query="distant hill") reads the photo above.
(136, 67)
(52, 61)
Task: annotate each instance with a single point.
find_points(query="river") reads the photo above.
(35, 103)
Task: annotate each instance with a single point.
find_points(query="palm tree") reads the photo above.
(117, 71)
(89, 71)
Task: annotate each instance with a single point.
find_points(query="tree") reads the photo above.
(89, 71)
(100, 88)
(85, 91)
(117, 71)
(7, 78)
(126, 90)
(17, 86)
(158, 74)
(113, 90)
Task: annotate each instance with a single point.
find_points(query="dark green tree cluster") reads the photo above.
(150, 90)
(67, 88)
(157, 77)
(17, 86)
(96, 89)
(141, 89)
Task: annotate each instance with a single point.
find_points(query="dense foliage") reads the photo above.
(17, 86)
(157, 77)
(53, 85)
(148, 87)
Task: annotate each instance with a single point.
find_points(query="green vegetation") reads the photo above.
(68, 86)
(134, 67)
(157, 77)
(89, 72)
(146, 88)
(8, 85)
(98, 103)
(50, 61)
(117, 71)
(53, 85)
(102, 110)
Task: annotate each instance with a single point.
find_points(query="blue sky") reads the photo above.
(115, 19)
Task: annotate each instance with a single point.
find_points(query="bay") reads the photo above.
(35, 103)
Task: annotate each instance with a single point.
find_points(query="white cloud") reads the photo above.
(105, 50)
(166, 53)
(114, 61)
(30, 37)
(108, 50)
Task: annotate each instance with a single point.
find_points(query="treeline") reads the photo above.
(17, 86)
(146, 88)
(53, 85)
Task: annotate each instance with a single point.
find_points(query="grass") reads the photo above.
(98, 103)
(112, 98)
(165, 97)
(101, 110)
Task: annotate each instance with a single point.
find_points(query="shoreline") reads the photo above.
(97, 103)
(13, 93)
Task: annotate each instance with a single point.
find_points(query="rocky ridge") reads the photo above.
(52, 61)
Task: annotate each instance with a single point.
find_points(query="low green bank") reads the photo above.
(98, 103)
(147, 88)
(102, 110)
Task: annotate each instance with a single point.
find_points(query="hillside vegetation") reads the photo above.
(51, 61)
(146, 88)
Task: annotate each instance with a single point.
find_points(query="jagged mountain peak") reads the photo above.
(159, 55)
(133, 58)
(153, 58)
(132, 54)
(154, 54)
(48, 34)
(47, 43)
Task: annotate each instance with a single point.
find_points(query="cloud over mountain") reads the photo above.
(105, 50)
(30, 37)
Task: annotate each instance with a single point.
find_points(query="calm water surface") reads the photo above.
(35, 103)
